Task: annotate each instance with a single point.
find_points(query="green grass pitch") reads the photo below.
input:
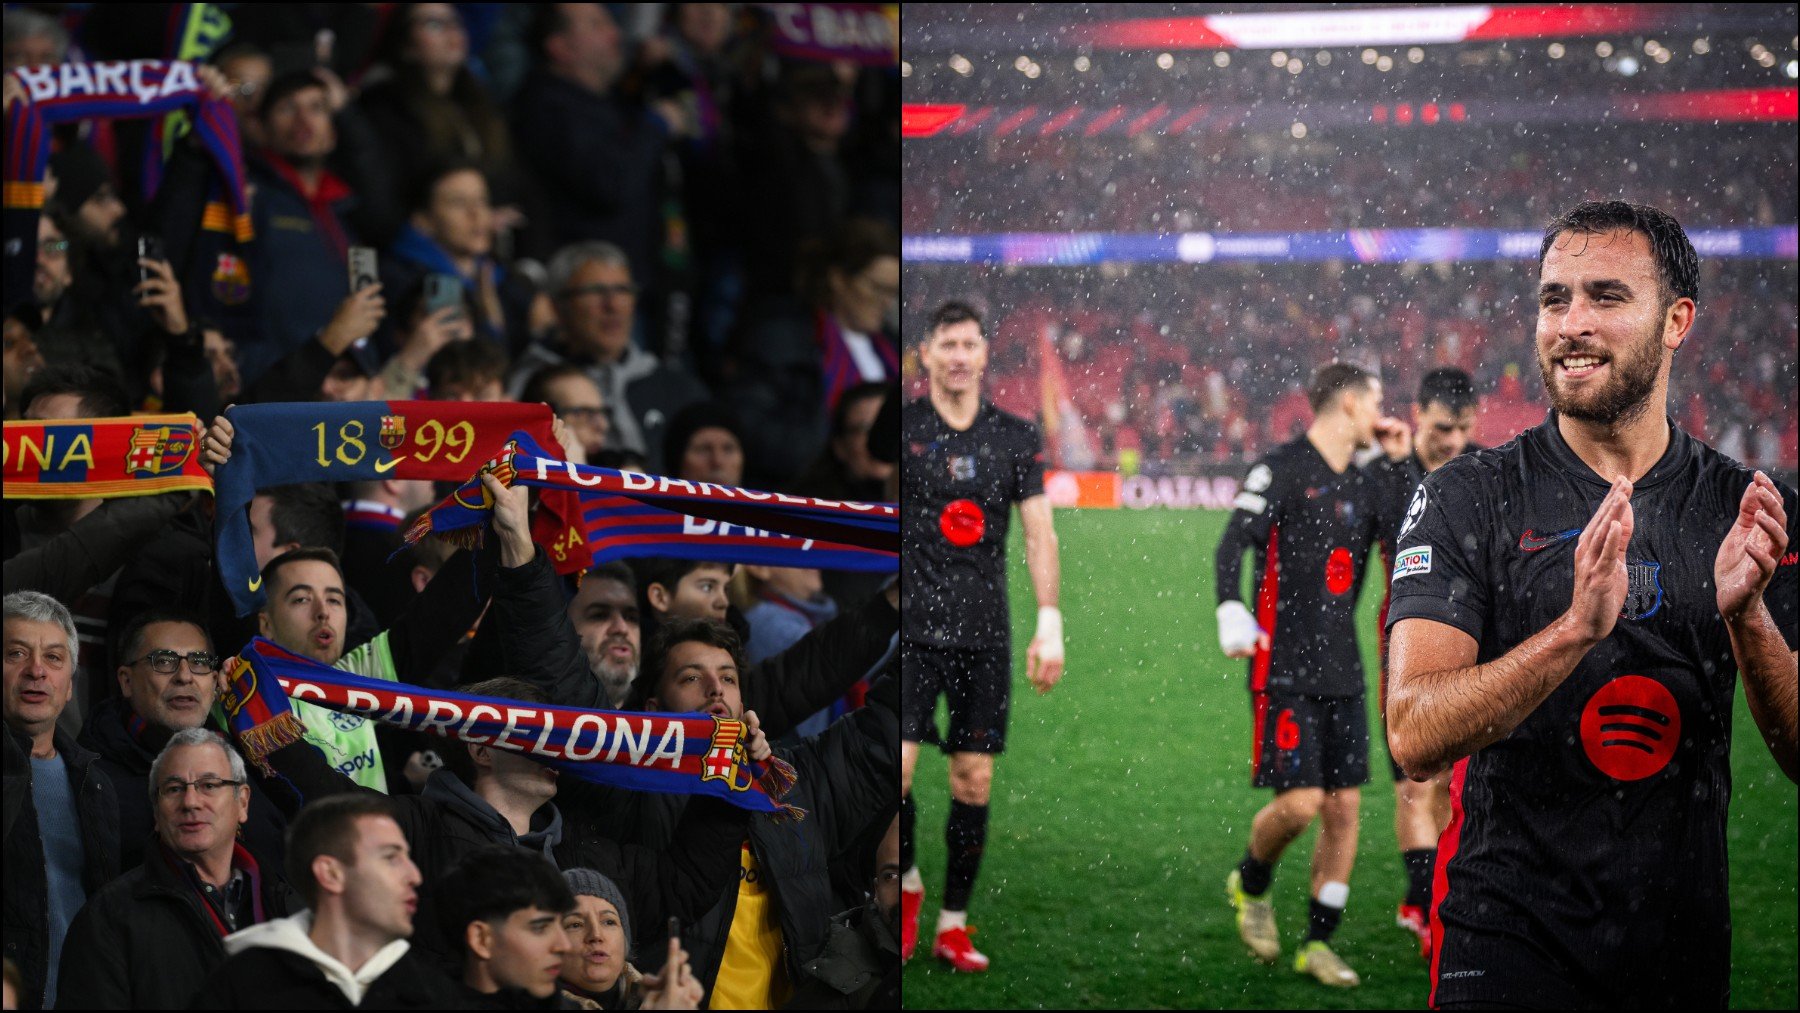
(1124, 798)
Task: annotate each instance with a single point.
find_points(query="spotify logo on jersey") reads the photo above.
(1629, 728)
(962, 522)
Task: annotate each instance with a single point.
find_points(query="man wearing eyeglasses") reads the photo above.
(167, 682)
(149, 938)
(596, 309)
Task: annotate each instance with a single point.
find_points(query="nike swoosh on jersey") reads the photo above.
(1529, 542)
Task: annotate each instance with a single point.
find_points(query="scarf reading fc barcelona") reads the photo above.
(114, 89)
(281, 444)
(628, 514)
(685, 754)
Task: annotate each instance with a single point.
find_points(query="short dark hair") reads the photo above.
(131, 641)
(462, 363)
(454, 751)
(868, 389)
(848, 250)
(315, 553)
(546, 20)
(425, 184)
(287, 84)
(667, 571)
(1332, 380)
(491, 882)
(537, 386)
(953, 313)
(614, 570)
(1448, 386)
(308, 513)
(672, 634)
(327, 827)
(102, 396)
(1677, 265)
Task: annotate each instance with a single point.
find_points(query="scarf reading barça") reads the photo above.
(112, 89)
(281, 444)
(628, 514)
(142, 455)
(683, 754)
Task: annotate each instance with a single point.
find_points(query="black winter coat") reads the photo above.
(268, 978)
(127, 761)
(145, 942)
(27, 895)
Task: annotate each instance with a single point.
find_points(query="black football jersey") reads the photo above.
(957, 490)
(1311, 529)
(1595, 831)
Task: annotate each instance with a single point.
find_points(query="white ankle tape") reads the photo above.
(1334, 894)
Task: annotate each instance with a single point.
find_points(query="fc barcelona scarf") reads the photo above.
(682, 754)
(104, 458)
(114, 89)
(839, 365)
(629, 514)
(281, 444)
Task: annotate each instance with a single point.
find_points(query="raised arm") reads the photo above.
(1743, 571)
(1442, 706)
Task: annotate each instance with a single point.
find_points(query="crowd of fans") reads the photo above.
(647, 218)
(1337, 179)
(1174, 368)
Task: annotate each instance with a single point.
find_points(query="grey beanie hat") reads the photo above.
(587, 881)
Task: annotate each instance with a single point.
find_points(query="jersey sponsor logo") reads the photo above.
(1630, 727)
(962, 467)
(1413, 561)
(1790, 559)
(1414, 511)
(1643, 592)
(1340, 571)
(1531, 541)
(1259, 478)
(962, 522)
(1251, 502)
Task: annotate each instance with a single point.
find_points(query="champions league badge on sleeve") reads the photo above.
(1414, 511)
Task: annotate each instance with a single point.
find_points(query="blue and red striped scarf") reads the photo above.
(682, 754)
(839, 365)
(113, 89)
(627, 514)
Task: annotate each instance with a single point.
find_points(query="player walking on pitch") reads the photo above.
(1570, 614)
(1443, 417)
(966, 464)
(1311, 517)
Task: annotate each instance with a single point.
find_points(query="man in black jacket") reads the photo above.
(61, 827)
(128, 731)
(355, 873)
(149, 938)
(750, 949)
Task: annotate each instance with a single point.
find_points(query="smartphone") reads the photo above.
(148, 248)
(445, 290)
(362, 268)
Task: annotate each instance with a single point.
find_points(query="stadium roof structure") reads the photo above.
(936, 27)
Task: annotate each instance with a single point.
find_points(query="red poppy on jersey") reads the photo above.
(1629, 728)
(962, 522)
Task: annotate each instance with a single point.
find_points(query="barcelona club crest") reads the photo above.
(158, 450)
(230, 280)
(724, 758)
(1643, 592)
(476, 497)
(393, 431)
